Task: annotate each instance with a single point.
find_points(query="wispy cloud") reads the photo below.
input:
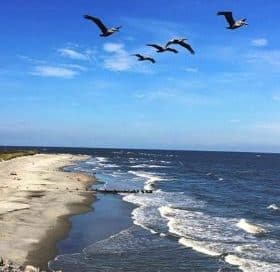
(271, 57)
(113, 47)
(75, 66)
(74, 54)
(175, 97)
(30, 59)
(119, 59)
(261, 42)
(54, 71)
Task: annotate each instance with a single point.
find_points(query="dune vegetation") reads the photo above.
(11, 154)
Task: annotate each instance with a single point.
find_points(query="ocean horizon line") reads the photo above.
(135, 149)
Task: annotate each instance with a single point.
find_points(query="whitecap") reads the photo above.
(111, 165)
(273, 207)
(153, 231)
(250, 228)
(249, 265)
(216, 236)
(148, 166)
(101, 159)
(151, 178)
(199, 247)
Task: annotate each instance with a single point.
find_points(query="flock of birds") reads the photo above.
(105, 32)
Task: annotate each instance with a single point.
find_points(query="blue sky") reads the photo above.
(63, 85)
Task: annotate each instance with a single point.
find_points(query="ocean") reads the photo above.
(209, 211)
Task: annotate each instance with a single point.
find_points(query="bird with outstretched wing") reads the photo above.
(98, 22)
(161, 49)
(229, 17)
(105, 31)
(187, 46)
(143, 58)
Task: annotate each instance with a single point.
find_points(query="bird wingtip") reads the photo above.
(223, 12)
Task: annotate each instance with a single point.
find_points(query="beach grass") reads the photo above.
(11, 154)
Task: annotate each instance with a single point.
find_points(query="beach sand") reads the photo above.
(36, 200)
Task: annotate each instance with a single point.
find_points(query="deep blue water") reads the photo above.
(210, 211)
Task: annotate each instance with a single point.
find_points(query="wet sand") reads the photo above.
(36, 200)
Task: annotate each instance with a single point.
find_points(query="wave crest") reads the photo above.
(273, 207)
(250, 228)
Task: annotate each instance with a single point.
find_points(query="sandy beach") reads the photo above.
(36, 200)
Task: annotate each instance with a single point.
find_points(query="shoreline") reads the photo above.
(37, 200)
(107, 209)
(111, 216)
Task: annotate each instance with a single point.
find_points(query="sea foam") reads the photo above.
(248, 265)
(150, 179)
(199, 247)
(250, 228)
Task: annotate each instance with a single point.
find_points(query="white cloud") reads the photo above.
(113, 47)
(261, 42)
(73, 54)
(119, 59)
(54, 71)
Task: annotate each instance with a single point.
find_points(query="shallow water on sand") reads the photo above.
(109, 216)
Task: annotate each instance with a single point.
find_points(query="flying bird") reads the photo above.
(143, 58)
(181, 41)
(105, 31)
(161, 49)
(232, 23)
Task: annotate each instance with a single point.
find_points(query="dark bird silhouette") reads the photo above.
(143, 58)
(105, 31)
(232, 23)
(161, 49)
(181, 41)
